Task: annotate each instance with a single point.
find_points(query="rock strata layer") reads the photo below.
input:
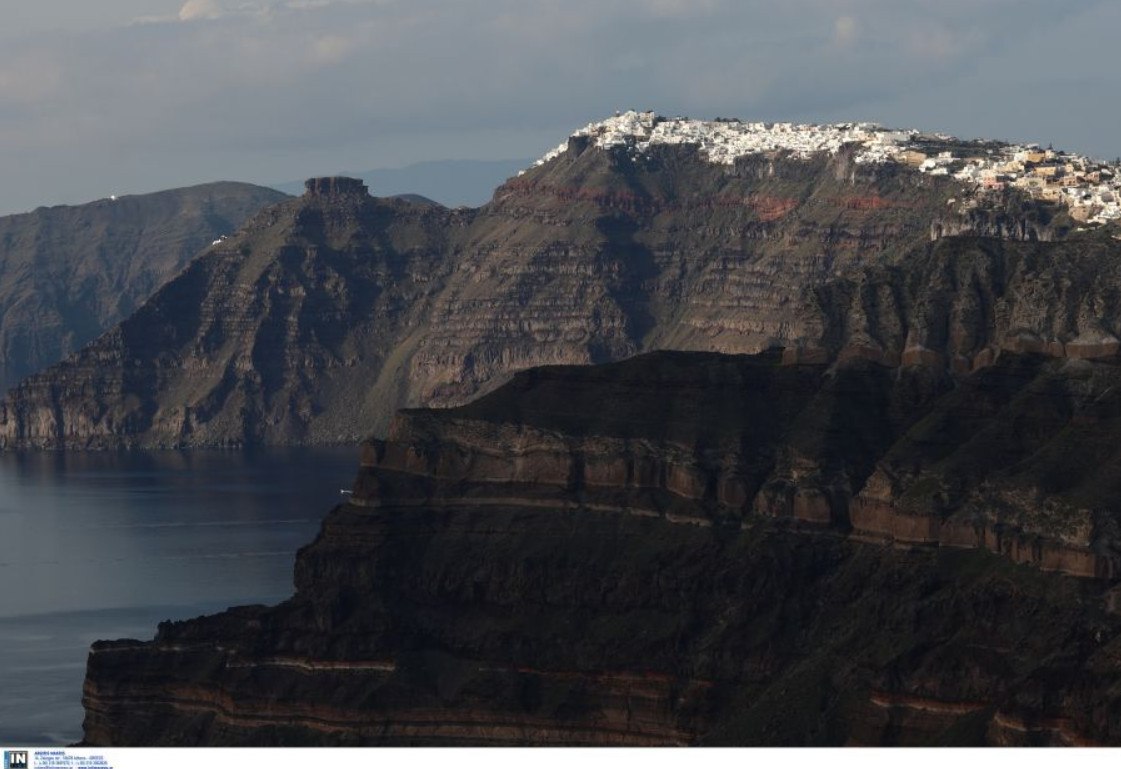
(686, 548)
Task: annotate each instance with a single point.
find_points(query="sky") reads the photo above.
(128, 96)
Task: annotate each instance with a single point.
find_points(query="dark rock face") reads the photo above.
(336, 186)
(686, 548)
(326, 314)
(68, 273)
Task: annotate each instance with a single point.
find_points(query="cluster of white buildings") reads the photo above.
(1090, 189)
(722, 141)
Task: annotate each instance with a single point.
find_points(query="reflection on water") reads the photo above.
(105, 545)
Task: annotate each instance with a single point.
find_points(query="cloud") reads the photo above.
(331, 49)
(201, 10)
(845, 31)
(194, 10)
(311, 5)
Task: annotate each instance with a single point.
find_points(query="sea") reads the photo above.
(105, 545)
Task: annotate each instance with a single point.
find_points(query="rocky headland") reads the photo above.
(686, 548)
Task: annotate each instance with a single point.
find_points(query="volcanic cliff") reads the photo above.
(686, 548)
(68, 273)
(326, 313)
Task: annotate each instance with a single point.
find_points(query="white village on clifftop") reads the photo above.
(1089, 189)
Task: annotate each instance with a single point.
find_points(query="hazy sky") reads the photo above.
(119, 96)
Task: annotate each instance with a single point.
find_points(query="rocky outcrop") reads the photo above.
(68, 273)
(684, 548)
(1006, 216)
(336, 187)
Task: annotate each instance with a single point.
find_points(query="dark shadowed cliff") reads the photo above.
(326, 313)
(686, 548)
(67, 273)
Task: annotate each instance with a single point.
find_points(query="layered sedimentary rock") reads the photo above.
(327, 313)
(686, 548)
(68, 273)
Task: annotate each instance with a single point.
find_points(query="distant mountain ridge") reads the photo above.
(448, 182)
(67, 273)
(326, 313)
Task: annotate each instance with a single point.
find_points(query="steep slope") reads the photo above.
(68, 273)
(685, 548)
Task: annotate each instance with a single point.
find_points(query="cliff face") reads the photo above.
(68, 273)
(685, 548)
(324, 315)
(962, 300)
(600, 254)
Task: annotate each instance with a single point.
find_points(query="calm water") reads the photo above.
(105, 545)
